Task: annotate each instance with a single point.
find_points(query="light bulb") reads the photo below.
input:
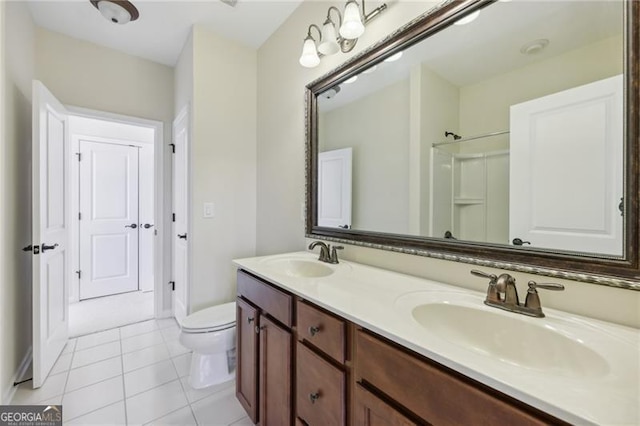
(309, 57)
(329, 45)
(352, 26)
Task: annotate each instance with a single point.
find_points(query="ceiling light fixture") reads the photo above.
(331, 42)
(117, 11)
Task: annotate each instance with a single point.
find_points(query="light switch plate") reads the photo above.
(209, 210)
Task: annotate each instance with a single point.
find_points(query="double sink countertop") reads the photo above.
(581, 370)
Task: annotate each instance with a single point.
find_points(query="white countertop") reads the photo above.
(382, 301)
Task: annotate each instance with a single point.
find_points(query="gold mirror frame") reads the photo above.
(623, 272)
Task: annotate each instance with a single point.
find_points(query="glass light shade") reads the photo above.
(309, 57)
(352, 26)
(329, 45)
(114, 12)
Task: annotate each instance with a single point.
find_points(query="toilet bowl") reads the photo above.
(211, 335)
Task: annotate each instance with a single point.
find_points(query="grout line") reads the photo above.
(66, 382)
(124, 390)
(93, 411)
(112, 328)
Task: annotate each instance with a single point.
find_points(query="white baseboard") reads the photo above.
(10, 390)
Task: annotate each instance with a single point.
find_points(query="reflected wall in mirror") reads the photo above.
(506, 132)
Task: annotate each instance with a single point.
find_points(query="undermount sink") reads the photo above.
(300, 268)
(546, 345)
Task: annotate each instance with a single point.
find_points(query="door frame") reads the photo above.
(161, 291)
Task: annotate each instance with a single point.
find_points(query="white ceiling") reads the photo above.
(162, 29)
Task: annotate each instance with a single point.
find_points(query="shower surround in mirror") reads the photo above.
(409, 178)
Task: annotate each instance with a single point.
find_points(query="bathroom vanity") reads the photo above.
(349, 344)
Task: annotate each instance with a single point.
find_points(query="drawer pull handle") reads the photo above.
(262, 327)
(250, 320)
(313, 397)
(314, 330)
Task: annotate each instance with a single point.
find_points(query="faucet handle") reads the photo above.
(334, 254)
(547, 286)
(482, 274)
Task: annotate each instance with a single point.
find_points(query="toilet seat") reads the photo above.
(215, 318)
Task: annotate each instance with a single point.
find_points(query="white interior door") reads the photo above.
(181, 216)
(334, 188)
(566, 169)
(50, 156)
(109, 224)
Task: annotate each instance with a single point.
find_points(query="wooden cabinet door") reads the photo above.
(247, 358)
(275, 374)
(372, 411)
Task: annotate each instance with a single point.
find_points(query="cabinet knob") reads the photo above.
(262, 327)
(250, 320)
(314, 330)
(313, 397)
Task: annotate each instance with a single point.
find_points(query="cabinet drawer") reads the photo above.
(320, 390)
(271, 300)
(370, 411)
(431, 392)
(322, 330)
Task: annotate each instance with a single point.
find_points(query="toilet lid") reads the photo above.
(211, 319)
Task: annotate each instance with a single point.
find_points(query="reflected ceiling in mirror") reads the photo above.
(507, 132)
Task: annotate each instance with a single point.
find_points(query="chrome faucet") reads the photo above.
(503, 294)
(325, 249)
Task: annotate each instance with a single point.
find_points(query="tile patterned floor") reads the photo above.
(133, 375)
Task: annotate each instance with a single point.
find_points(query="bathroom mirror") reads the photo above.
(494, 133)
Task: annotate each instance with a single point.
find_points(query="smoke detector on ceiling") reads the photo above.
(534, 47)
(117, 11)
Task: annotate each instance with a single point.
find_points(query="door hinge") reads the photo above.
(79, 156)
(79, 216)
(173, 147)
(79, 274)
(173, 217)
(173, 285)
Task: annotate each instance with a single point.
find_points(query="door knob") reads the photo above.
(46, 247)
(182, 236)
(132, 226)
(146, 225)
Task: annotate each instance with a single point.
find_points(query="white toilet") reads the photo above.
(211, 334)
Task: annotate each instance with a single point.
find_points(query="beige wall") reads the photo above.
(484, 106)
(15, 180)
(223, 164)
(281, 82)
(86, 75)
(380, 142)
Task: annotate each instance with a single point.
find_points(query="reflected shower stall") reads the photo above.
(470, 194)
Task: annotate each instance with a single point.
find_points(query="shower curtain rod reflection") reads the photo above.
(470, 138)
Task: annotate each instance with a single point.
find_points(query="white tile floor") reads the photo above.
(133, 375)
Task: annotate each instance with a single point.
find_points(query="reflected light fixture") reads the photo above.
(330, 41)
(117, 11)
(468, 19)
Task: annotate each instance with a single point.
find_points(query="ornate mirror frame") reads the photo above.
(623, 272)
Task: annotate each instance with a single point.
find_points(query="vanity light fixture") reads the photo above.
(117, 11)
(351, 80)
(331, 41)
